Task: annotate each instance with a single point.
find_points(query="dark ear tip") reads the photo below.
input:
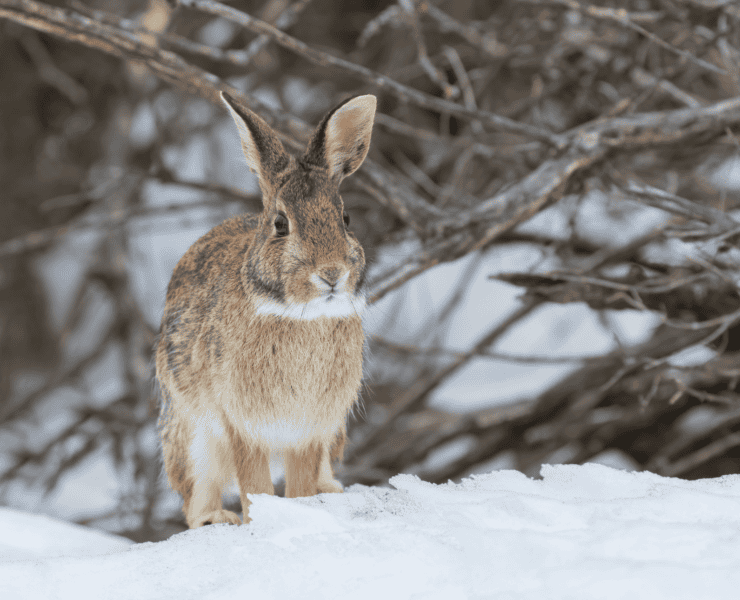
(228, 98)
(235, 107)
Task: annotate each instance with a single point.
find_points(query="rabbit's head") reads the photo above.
(304, 262)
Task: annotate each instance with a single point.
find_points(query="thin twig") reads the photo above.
(417, 394)
(285, 20)
(626, 19)
(411, 349)
(403, 92)
(703, 455)
(485, 41)
(409, 8)
(465, 84)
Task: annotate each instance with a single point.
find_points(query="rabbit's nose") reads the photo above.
(330, 276)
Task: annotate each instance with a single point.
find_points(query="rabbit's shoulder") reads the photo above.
(206, 274)
(218, 241)
(217, 254)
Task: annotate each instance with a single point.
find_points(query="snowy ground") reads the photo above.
(588, 532)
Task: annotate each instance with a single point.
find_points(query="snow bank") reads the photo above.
(586, 532)
(27, 537)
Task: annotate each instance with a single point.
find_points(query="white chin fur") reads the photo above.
(341, 306)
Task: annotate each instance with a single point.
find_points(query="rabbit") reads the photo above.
(261, 344)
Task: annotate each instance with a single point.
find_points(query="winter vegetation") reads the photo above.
(551, 213)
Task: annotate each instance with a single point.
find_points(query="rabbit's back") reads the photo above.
(192, 334)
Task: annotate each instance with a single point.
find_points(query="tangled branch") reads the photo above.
(494, 132)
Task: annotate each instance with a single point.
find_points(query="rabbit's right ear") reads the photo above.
(263, 150)
(342, 139)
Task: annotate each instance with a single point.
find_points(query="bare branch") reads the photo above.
(409, 8)
(403, 92)
(419, 392)
(485, 41)
(627, 19)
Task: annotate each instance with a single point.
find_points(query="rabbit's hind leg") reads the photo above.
(212, 470)
(333, 454)
(326, 483)
(302, 469)
(252, 465)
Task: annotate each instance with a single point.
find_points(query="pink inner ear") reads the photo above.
(346, 134)
(343, 128)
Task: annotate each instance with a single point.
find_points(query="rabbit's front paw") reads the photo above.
(218, 516)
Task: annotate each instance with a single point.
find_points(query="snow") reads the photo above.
(582, 531)
(28, 537)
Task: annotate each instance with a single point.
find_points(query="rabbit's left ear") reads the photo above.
(263, 150)
(342, 140)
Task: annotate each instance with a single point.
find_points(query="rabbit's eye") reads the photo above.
(281, 224)
(345, 216)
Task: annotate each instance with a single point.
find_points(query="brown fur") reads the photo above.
(242, 370)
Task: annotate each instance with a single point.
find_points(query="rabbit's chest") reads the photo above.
(294, 383)
(297, 364)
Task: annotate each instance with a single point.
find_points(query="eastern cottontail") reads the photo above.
(261, 342)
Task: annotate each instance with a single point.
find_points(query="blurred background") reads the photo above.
(549, 208)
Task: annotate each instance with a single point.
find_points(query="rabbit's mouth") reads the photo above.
(334, 297)
(330, 289)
